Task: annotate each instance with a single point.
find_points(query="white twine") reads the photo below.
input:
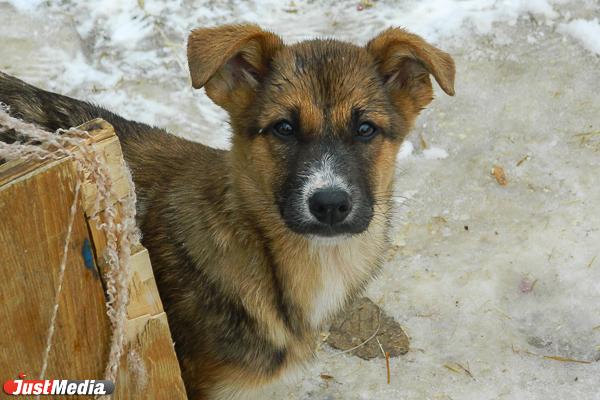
(91, 166)
(61, 277)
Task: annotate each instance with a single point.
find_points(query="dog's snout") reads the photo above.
(330, 206)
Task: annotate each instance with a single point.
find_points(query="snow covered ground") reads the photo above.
(500, 281)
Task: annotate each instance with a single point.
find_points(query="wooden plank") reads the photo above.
(107, 143)
(148, 368)
(34, 214)
(143, 293)
(111, 149)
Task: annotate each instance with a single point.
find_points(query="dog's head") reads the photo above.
(317, 125)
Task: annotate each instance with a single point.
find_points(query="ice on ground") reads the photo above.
(502, 281)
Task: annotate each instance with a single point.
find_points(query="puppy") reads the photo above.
(255, 248)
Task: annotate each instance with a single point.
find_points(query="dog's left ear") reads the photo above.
(405, 62)
(229, 61)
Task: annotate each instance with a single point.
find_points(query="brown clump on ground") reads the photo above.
(364, 320)
(498, 173)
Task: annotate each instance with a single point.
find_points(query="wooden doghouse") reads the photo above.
(35, 202)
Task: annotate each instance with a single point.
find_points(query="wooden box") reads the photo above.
(35, 202)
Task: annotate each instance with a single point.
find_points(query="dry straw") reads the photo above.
(39, 144)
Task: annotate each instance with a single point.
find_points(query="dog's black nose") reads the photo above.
(330, 206)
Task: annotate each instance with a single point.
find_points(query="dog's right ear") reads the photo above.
(229, 61)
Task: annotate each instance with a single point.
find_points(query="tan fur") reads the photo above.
(316, 275)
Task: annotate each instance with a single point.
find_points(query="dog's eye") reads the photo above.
(283, 129)
(366, 131)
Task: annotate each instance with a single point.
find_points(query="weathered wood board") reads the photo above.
(35, 202)
(34, 214)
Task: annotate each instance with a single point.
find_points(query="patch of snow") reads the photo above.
(26, 5)
(406, 149)
(435, 153)
(587, 32)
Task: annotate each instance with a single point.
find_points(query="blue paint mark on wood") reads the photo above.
(88, 256)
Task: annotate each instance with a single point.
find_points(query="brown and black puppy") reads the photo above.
(255, 248)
